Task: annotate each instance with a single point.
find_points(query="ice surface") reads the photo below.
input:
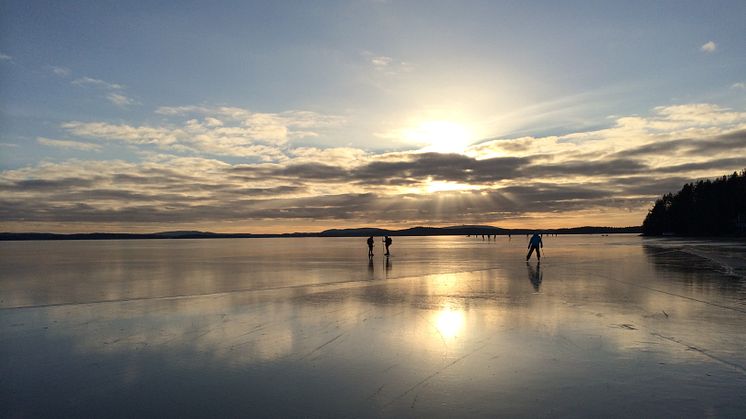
(617, 326)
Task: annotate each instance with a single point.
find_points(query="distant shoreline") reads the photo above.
(356, 232)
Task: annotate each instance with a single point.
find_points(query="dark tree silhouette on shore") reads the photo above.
(702, 208)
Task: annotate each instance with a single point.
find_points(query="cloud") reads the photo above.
(651, 149)
(120, 99)
(192, 137)
(385, 64)
(89, 81)
(67, 144)
(5, 57)
(381, 61)
(177, 190)
(680, 116)
(410, 169)
(219, 115)
(670, 135)
(99, 200)
(45, 185)
(215, 131)
(316, 171)
(427, 167)
(220, 112)
(61, 71)
(213, 122)
(641, 186)
(114, 92)
(123, 132)
(546, 193)
(340, 156)
(611, 172)
(709, 47)
(726, 165)
(607, 167)
(740, 85)
(691, 147)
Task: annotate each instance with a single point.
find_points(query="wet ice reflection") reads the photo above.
(605, 324)
(449, 322)
(535, 275)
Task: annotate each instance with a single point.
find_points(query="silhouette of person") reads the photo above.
(387, 242)
(370, 246)
(533, 244)
(535, 275)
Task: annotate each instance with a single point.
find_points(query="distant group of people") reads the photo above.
(489, 236)
(534, 244)
(386, 242)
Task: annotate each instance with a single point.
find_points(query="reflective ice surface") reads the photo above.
(617, 325)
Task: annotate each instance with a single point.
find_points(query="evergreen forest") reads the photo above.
(703, 208)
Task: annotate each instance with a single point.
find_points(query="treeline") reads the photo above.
(349, 232)
(703, 208)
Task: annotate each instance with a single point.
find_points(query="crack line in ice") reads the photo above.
(676, 295)
(244, 290)
(429, 377)
(323, 345)
(436, 329)
(704, 352)
(727, 269)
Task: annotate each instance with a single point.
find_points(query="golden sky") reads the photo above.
(270, 118)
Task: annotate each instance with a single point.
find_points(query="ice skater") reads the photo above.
(534, 244)
(387, 242)
(370, 246)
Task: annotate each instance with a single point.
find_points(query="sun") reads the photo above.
(440, 136)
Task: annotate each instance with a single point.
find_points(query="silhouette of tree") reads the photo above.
(701, 208)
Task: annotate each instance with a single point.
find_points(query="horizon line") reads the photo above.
(336, 229)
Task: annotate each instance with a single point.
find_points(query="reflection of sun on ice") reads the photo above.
(449, 323)
(442, 136)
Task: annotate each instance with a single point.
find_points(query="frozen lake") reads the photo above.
(617, 326)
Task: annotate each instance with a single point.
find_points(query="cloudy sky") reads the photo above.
(300, 116)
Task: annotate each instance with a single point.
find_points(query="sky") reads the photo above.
(283, 116)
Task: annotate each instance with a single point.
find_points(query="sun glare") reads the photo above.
(438, 186)
(449, 323)
(441, 136)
